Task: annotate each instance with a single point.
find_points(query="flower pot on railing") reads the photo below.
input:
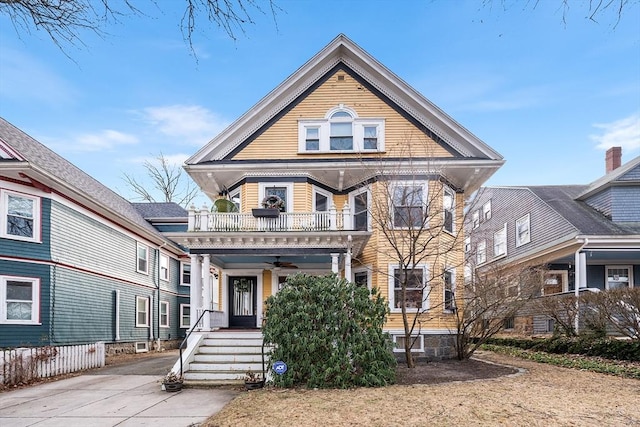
(265, 212)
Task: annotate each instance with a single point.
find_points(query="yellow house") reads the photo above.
(327, 151)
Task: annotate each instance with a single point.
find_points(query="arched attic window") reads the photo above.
(341, 130)
(341, 136)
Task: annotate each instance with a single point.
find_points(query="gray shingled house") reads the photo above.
(587, 235)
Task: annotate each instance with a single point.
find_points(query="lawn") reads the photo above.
(540, 395)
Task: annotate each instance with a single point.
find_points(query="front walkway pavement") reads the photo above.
(109, 400)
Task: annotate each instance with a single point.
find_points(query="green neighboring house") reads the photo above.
(78, 263)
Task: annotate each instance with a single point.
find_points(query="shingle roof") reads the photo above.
(45, 160)
(588, 221)
(160, 210)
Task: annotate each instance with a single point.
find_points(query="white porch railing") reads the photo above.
(204, 220)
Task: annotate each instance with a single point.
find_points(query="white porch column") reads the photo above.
(206, 291)
(583, 270)
(195, 295)
(215, 291)
(334, 263)
(332, 217)
(347, 217)
(347, 259)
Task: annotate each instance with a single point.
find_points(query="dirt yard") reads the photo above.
(452, 394)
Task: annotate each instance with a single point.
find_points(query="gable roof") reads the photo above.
(33, 162)
(343, 50)
(564, 200)
(473, 161)
(609, 179)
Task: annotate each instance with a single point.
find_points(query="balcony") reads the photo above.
(332, 220)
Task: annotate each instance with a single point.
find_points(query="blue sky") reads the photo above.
(549, 95)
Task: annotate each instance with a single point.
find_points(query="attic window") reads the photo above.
(341, 130)
(340, 77)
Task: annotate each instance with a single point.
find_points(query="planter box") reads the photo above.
(265, 213)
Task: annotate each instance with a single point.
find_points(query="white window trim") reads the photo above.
(182, 264)
(325, 193)
(503, 230)
(475, 219)
(165, 276)
(324, 130)
(352, 204)
(366, 269)
(147, 305)
(138, 246)
(616, 266)
(35, 300)
(565, 279)
(418, 346)
(168, 311)
(453, 290)
(182, 325)
(237, 192)
(486, 211)
(525, 218)
(37, 216)
(482, 243)
(263, 186)
(453, 211)
(425, 289)
(425, 200)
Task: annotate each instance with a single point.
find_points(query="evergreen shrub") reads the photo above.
(329, 333)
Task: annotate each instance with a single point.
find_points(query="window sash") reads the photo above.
(408, 207)
(164, 314)
(500, 242)
(523, 230)
(361, 211)
(185, 316)
(481, 252)
(142, 263)
(164, 267)
(19, 300)
(449, 301)
(185, 273)
(142, 312)
(414, 295)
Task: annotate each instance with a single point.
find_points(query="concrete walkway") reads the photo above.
(99, 398)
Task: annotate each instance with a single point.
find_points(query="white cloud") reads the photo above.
(177, 159)
(192, 124)
(104, 140)
(623, 133)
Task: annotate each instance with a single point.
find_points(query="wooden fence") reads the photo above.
(24, 365)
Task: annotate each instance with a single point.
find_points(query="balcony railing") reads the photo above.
(204, 220)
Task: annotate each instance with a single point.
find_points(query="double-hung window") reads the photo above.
(20, 218)
(185, 274)
(523, 230)
(142, 265)
(481, 252)
(486, 211)
(142, 312)
(409, 205)
(164, 314)
(164, 267)
(414, 281)
(449, 289)
(361, 211)
(341, 136)
(449, 209)
(185, 315)
(19, 300)
(500, 242)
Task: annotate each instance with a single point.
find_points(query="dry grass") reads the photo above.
(544, 395)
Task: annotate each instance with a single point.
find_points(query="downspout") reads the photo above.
(577, 279)
(158, 298)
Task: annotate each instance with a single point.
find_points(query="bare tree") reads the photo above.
(599, 11)
(167, 180)
(619, 308)
(65, 20)
(492, 296)
(563, 310)
(410, 210)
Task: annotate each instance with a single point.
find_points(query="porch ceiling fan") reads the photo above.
(282, 264)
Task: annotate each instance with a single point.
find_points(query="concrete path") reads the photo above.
(101, 398)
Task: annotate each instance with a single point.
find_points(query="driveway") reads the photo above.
(126, 394)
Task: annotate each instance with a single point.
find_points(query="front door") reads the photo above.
(243, 301)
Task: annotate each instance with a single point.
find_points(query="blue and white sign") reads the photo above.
(280, 367)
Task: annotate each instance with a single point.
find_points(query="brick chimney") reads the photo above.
(614, 158)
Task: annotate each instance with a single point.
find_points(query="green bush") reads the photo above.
(329, 333)
(585, 345)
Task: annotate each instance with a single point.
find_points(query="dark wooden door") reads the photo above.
(243, 301)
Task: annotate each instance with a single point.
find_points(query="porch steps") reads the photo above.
(224, 357)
